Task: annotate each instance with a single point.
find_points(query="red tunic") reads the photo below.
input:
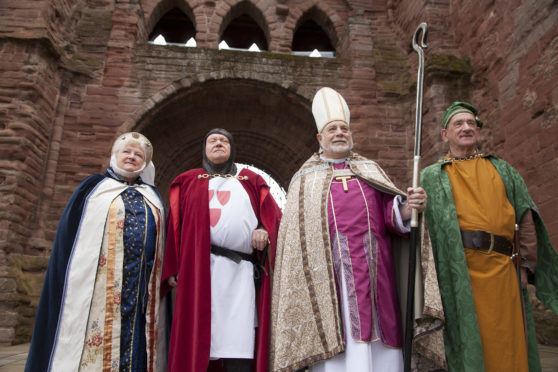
(187, 254)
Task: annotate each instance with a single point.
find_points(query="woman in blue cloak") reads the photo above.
(100, 308)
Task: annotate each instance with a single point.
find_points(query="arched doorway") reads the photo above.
(272, 127)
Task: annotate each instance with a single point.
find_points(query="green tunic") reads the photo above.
(461, 335)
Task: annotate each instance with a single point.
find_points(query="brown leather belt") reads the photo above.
(486, 242)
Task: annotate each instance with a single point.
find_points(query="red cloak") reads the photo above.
(187, 255)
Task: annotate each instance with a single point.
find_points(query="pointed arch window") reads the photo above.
(243, 33)
(310, 39)
(174, 28)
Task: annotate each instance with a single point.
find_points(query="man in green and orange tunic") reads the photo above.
(475, 202)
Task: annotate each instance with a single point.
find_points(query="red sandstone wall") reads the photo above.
(28, 96)
(513, 49)
(75, 73)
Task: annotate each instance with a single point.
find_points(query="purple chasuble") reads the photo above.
(360, 223)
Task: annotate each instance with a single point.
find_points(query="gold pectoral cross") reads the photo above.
(344, 179)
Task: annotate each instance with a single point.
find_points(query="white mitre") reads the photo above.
(328, 106)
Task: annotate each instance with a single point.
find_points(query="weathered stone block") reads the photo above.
(7, 285)
(7, 335)
(9, 318)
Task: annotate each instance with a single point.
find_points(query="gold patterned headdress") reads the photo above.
(328, 106)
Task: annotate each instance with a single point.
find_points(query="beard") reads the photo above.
(339, 147)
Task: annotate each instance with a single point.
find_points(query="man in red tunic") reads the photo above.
(222, 223)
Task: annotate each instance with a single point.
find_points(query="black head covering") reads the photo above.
(227, 167)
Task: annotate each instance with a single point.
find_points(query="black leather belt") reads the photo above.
(486, 242)
(232, 255)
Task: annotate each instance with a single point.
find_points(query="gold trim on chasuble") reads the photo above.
(306, 316)
(304, 206)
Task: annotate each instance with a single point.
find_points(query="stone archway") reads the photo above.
(273, 127)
